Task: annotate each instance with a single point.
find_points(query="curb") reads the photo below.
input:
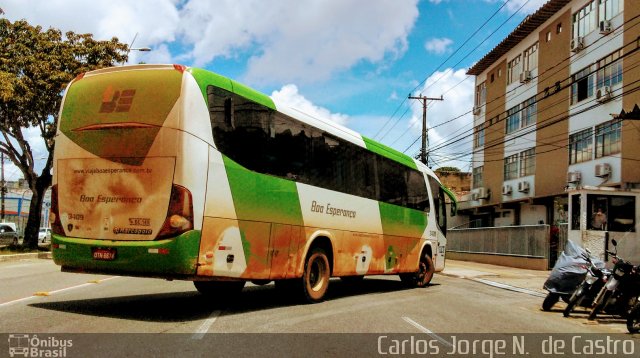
(33, 255)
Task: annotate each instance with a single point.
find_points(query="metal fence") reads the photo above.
(528, 241)
(534, 241)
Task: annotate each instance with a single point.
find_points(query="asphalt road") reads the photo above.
(36, 297)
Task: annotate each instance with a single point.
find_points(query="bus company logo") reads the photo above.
(117, 100)
(24, 345)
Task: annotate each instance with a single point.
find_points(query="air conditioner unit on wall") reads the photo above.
(603, 94)
(603, 170)
(577, 44)
(506, 189)
(605, 27)
(476, 110)
(525, 76)
(523, 186)
(574, 177)
(481, 193)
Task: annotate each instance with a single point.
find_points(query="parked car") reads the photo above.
(44, 236)
(8, 234)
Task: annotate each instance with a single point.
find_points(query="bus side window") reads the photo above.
(417, 191)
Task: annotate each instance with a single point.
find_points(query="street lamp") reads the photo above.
(130, 48)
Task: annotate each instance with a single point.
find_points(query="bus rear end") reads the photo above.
(118, 201)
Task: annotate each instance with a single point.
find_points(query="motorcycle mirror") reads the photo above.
(588, 251)
(614, 242)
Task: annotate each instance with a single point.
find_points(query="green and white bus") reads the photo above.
(180, 173)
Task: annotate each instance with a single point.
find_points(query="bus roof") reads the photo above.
(205, 78)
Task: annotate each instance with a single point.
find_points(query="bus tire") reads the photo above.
(315, 278)
(422, 277)
(219, 289)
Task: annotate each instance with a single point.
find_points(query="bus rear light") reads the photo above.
(54, 216)
(58, 246)
(180, 68)
(179, 214)
(179, 222)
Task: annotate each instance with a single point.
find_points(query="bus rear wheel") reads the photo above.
(422, 276)
(315, 279)
(219, 288)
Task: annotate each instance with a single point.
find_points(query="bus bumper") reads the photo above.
(171, 257)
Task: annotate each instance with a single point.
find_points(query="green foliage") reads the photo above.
(35, 67)
(447, 170)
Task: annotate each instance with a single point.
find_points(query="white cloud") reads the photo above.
(286, 40)
(155, 21)
(530, 6)
(438, 46)
(298, 41)
(289, 96)
(458, 99)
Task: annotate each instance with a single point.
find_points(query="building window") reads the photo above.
(513, 70)
(581, 146)
(609, 9)
(492, 78)
(511, 167)
(609, 70)
(478, 136)
(584, 21)
(477, 177)
(529, 110)
(513, 119)
(548, 36)
(582, 85)
(530, 58)
(608, 138)
(615, 213)
(481, 94)
(528, 162)
(558, 28)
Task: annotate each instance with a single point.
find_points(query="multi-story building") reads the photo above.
(547, 111)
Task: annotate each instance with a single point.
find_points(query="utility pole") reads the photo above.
(425, 136)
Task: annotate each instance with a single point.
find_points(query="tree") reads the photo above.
(35, 67)
(447, 170)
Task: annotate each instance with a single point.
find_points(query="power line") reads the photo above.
(439, 66)
(547, 71)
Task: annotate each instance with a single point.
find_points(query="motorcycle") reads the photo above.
(592, 284)
(622, 289)
(568, 272)
(633, 320)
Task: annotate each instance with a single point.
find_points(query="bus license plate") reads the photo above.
(104, 254)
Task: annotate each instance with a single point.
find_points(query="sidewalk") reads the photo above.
(517, 277)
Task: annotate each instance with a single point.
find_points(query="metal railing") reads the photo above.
(527, 240)
(531, 241)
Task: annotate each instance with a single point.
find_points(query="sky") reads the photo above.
(351, 61)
